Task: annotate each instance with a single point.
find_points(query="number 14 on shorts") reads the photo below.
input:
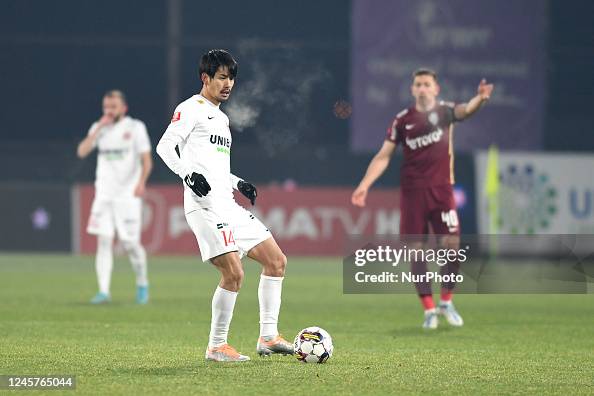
(228, 237)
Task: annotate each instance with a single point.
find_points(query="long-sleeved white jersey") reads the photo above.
(201, 131)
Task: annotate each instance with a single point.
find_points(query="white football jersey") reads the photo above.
(119, 166)
(201, 131)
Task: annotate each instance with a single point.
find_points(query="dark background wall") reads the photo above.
(57, 59)
(570, 120)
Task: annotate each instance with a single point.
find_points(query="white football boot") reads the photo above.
(275, 344)
(224, 353)
(448, 310)
(431, 321)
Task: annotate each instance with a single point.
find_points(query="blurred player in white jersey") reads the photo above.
(224, 230)
(123, 166)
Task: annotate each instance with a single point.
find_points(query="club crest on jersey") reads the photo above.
(425, 140)
(176, 116)
(127, 135)
(433, 118)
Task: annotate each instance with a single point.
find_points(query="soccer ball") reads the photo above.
(313, 345)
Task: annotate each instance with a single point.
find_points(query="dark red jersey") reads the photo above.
(427, 142)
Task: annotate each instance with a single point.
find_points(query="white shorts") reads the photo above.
(226, 228)
(121, 215)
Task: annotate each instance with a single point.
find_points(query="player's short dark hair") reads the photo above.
(425, 71)
(116, 93)
(215, 58)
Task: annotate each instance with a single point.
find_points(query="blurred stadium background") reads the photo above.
(318, 84)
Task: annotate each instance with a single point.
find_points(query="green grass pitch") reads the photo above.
(524, 344)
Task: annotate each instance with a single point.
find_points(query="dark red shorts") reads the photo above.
(420, 207)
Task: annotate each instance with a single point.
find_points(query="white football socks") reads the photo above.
(137, 256)
(223, 302)
(269, 297)
(104, 262)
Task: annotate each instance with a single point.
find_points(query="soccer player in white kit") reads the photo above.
(124, 164)
(224, 230)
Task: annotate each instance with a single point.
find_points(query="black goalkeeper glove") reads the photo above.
(197, 183)
(248, 190)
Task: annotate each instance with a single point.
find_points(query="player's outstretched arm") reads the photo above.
(465, 110)
(376, 168)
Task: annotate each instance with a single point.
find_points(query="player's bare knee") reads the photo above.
(416, 244)
(132, 248)
(233, 279)
(277, 265)
(282, 262)
(450, 242)
(128, 247)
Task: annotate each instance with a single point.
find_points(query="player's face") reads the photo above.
(114, 108)
(219, 87)
(425, 89)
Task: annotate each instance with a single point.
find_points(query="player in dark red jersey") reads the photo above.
(427, 175)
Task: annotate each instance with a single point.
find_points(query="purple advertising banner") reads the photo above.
(464, 41)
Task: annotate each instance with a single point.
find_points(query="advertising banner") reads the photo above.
(539, 193)
(304, 221)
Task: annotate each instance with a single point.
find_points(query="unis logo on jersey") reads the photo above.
(223, 144)
(220, 141)
(425, 140)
